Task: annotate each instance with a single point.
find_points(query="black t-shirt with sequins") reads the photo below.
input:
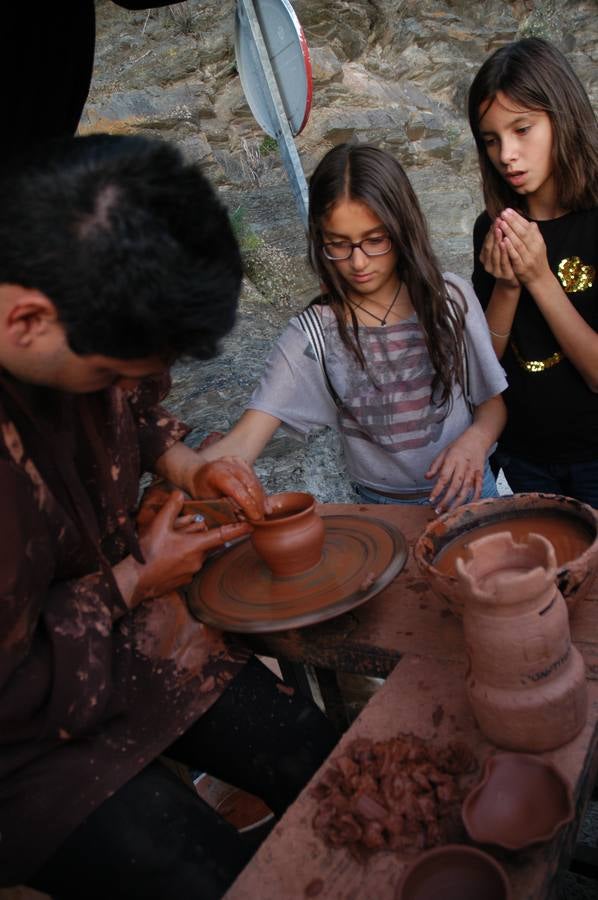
(553, 414)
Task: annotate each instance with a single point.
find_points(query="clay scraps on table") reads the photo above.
(403, 794)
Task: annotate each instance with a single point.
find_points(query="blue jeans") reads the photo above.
(369, 495)
(577, 480)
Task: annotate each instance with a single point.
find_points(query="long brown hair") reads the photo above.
(535, 75)
(372, 176)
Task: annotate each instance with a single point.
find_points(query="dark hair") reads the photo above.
(128, 241)
(372, 176)
(534, 74)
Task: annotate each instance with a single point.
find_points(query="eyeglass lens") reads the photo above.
(376, 246)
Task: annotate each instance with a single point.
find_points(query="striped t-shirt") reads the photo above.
(391, 429)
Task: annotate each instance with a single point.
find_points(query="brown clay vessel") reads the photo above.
(454, 872)
(525, 681)
(291, 537)
(521, 800)
(571, 526)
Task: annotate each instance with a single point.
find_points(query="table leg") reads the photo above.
(334, 703)
(320, 685)
(295, 675)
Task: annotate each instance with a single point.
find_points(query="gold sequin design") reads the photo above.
(536, 366)
(575, 276)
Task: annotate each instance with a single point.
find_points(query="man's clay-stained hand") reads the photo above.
(231, 476)
(173, 554)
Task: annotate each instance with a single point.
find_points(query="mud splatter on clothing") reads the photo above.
(89, 690)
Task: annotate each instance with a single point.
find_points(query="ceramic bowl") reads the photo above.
(521, 800)
(454, 872)
(571, 527)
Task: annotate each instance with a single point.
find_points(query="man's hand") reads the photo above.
(231, 477)
(459, 470)
(173, 548)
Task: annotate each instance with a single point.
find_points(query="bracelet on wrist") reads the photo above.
(498, 334)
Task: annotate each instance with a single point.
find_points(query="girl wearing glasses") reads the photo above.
(407, 374)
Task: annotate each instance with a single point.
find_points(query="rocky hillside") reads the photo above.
(391, 71)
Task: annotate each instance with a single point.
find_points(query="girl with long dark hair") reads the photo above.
(536, 254)
(392, 354)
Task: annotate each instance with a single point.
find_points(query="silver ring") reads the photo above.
(198, 518)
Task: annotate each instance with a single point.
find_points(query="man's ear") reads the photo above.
(29, 314)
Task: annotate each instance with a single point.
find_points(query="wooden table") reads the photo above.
(406, 617)
(424, 695)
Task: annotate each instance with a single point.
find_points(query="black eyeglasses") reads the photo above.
(374, 246)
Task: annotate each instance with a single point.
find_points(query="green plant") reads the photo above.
(256, 159)
(247, 238)
(183, 17)
(453, 133)
(268, 145)
(270, 269)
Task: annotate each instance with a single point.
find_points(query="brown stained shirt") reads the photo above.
(89, 691)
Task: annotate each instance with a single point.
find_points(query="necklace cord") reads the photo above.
(386, 314)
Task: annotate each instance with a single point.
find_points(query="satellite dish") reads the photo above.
(289, 57)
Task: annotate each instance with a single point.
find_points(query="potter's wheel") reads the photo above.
(237, 592)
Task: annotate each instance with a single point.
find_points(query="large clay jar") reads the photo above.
(526, 682)
(290, 539)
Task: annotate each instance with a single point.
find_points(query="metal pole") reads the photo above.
(286, 144)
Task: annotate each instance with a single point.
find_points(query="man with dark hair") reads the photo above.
(116, 258)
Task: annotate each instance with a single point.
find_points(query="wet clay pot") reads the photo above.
(571, 527)
(526, 682)
(521, 800)
(290, 539)
(454, 872)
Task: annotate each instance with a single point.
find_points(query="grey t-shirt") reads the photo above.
(390, 429)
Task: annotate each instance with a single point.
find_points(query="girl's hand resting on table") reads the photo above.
(459, 471)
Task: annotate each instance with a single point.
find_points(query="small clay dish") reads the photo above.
(570, 526)
(454, 872)
(521, 800)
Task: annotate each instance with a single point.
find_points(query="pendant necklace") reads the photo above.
(386, 314)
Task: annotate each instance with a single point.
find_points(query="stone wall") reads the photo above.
(395, 72)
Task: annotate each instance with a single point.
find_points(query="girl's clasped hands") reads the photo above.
(514, 250)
